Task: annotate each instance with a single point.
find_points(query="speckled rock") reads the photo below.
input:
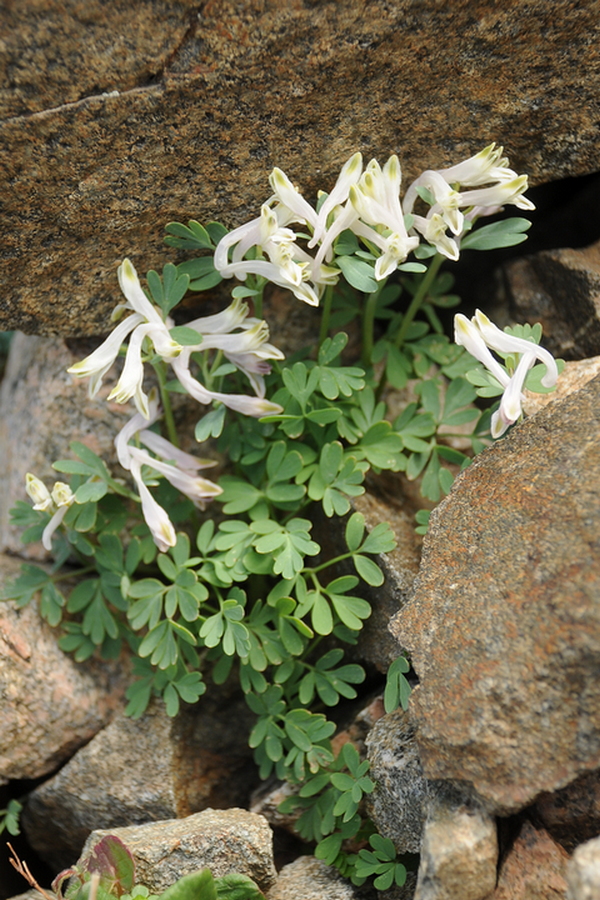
(504, 626)
(120, 118)
(223, 840)
(574, 376)
(583, 872)
(459, 853)
(560, 289)
(137, 771)
(533, 869)
(51, 705)
(311, 879)
(399, 803)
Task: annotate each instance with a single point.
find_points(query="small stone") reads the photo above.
(224, 841)
(143, 770)
(459, 853)
(308, 878)
(583, 872)
(534, 868)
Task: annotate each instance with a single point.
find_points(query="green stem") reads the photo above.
(330, 562)
(418, 299)
(368, 328)
(161, 374)
(325, 313)
(413, 309)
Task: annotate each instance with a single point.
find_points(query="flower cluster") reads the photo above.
(479, 336)
(247, 348)
(56, 502)
(243, 341)
(368, 204)
(179, 468)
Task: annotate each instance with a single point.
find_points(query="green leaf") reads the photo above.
(192, 236)
(506, 233)
(210, 425)
(236, 887)
(195, 886)
(358, 273)
(185, 336)
(397, 689)
(368, 570)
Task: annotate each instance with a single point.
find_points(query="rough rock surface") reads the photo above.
(224, 840)
(399, 803)
(533, 869)
(143, 770)
(574, 376)
(58, 412)
(311, 879)
(504, 627)
(459, 853)
(119, 118)
(51, 705)
(571, 815)
(560, 289)
(583, 872)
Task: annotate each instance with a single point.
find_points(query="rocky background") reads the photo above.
(117, 118)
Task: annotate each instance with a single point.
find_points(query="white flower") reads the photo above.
(157, 520)
(249, 406)
(376, 199)
(57, 502)
(180, 471)
(447, 200)
(478, 336)
(288, 265)
(38, 492)
(433, 227)
(145, 322)
(297, 209)
(485, 167)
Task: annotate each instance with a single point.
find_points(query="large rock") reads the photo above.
(583, 872)
(504, 627)
(51, 705)
(144, 770)
(222, 840)
(115, 125)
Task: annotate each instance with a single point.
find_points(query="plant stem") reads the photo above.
(161, 375)
(418, 299)
(325, 313)
(413, 309)
(369, 324)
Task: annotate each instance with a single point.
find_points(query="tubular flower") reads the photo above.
(376, 199)
(145, 322)
(180, 470)
(287, 265)
(56, 502)
(479, 336)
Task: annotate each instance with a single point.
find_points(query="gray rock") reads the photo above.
(51, 705)
(101, 148)
(145, 770)
(58, 412)
(224, 841)
(583, 872)
(311, 879)
(459, 853)
(560, 289)
(504, 630)
(399, 803)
